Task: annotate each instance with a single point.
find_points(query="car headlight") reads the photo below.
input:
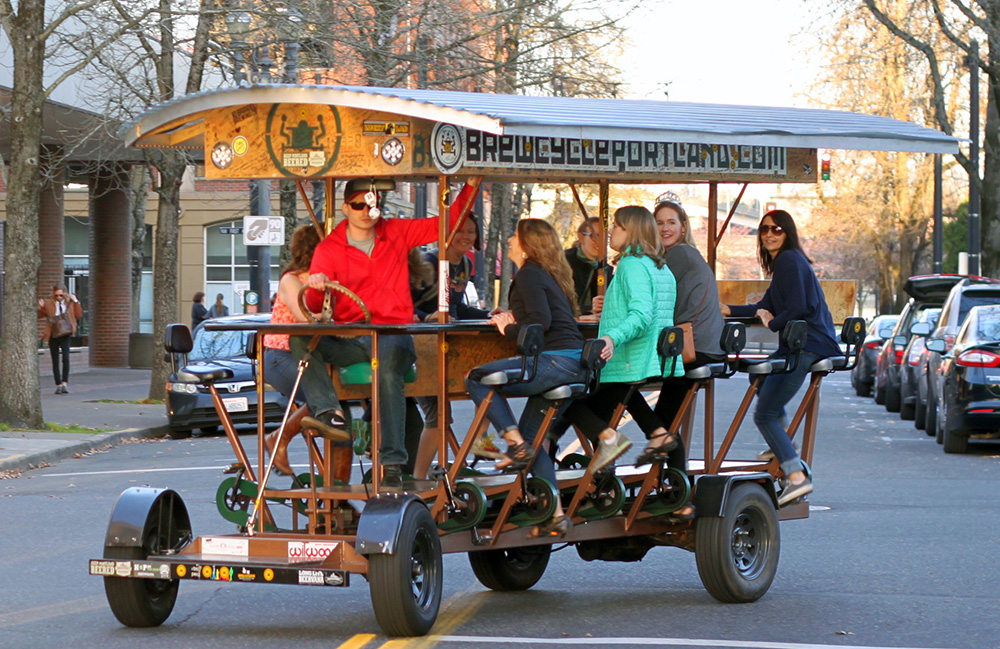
(183, 388)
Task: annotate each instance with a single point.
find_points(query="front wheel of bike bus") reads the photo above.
(405, 587)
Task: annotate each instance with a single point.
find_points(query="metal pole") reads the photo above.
(973, 62)
(713, 222)
(938, 243)
(259, 257)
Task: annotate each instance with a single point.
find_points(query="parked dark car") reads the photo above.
(926, 292)
(914, 358)
(969, 404)
(971, 292)
(863, 374)
(189, 405)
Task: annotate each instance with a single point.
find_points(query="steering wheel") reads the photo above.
(326, 315)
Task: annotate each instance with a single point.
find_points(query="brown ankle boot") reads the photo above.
(279, 451)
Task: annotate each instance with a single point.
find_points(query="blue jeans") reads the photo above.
(396, 355)
(280, 368)
(775, 391)
(552, 370)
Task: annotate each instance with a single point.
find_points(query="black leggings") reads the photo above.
(592, 414)
(60, 346)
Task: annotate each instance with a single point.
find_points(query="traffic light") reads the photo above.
(824, 166)
(770, 207)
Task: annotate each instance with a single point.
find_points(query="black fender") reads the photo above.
(138, 508)
(712, 491)
(378, 527)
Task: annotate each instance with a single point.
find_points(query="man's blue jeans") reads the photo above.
(396, 355)
(552, 370)
(774, 392)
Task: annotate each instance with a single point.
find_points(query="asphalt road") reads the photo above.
(899, 551)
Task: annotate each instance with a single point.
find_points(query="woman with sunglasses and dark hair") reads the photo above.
(794, 294)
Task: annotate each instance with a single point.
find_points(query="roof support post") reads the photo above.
(713, 218)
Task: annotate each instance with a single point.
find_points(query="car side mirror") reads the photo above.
(920, 328)
(937, 345)
(900, 340)
(885, 332)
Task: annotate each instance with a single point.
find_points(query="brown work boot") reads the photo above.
(279, 451)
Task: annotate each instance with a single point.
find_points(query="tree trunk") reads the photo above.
(989, 195)
(171, 167)
(140, 194)
(20, 398)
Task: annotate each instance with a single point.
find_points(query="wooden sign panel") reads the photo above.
(841, 294)
(311, 141)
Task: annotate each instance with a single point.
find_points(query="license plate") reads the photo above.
(236, 404)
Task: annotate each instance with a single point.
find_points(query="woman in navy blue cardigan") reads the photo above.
(794, 294)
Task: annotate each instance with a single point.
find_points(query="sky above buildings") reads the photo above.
(719, 51)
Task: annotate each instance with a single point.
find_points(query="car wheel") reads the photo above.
(862, 389)
(206, 431)
(892, 398)
(907, 411)
(954, 440)
(920, 415)
(180, 433)
(879, 392)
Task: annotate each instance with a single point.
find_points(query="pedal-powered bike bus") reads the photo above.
(315, 530)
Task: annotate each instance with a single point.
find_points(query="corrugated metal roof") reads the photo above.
(615, 119)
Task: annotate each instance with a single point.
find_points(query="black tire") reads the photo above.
(879, 392)
(737, 553)
(405, 587)
(907, 411)
(931, 426)
(893, 398)
(956, 441)
(180, 433)
(862, 389)
(920, 415)
(953, 440)
(512, 569)
(208, 431)
(147, 602)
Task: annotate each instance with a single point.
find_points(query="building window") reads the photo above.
(227, 270)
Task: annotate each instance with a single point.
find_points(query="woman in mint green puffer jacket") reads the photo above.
(639, 303)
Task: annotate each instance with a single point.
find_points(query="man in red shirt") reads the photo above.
(368, 255)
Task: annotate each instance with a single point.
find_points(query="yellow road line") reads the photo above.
(358, 641)
(455, 612)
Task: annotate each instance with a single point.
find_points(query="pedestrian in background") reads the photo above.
(199, 313)
(219, 309)
(61, 312)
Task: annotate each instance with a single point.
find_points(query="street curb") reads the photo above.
(92, 443)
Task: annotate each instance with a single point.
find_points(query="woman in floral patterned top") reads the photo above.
(280, 366)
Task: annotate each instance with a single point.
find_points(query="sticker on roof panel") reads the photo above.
(448, 146)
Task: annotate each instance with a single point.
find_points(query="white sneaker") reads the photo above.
(608, 452)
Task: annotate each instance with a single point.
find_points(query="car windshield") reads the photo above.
(211, 345)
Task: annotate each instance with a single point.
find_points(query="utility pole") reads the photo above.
(974, 208)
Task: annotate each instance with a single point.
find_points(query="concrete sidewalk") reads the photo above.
(99, 398)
